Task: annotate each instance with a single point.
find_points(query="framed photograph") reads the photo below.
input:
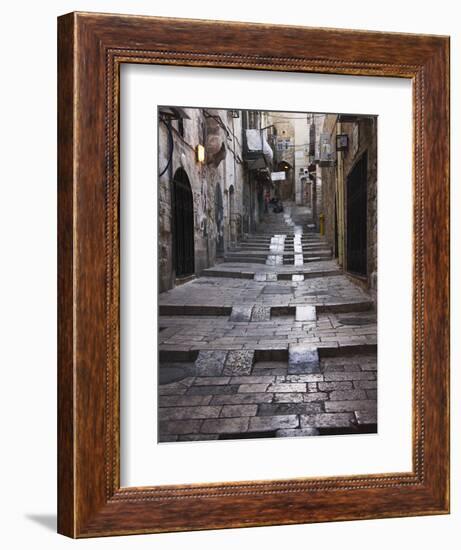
(253, 275)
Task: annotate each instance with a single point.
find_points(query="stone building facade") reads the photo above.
(301, 158)
(210, 186)
(283, 140)
(201, 172)
(349, 193)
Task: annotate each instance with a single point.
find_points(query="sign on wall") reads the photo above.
(277, 176)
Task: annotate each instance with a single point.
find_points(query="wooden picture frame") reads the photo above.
(92, 48)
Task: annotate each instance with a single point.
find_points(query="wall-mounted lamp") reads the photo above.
(342, 142)
(200, 153)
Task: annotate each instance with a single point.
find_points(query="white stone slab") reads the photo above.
(306, 313)
(299, 260)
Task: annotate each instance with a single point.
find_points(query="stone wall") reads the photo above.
(328, 175)
(284, 152)
(362, 139)
(216, 184)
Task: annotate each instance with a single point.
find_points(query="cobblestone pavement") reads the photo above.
(282, 348)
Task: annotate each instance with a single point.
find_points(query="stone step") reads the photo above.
(245, 259)
(245, 312)
(289, 238)
(303, 359)
(289, 247)
(197, 310)
(318, 252)
(288, 276)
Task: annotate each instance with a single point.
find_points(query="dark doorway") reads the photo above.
(357, 218)
(219, 220)
(231, 215)
(285, 187)
(336, 230)
(183, 224)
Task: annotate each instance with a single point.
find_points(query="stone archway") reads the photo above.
(183, 219)
(286, 188)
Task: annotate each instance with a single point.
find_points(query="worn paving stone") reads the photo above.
(184, 401)
(271, 277)
(351, 395)
(211, 380)
(331, 386)
(260, 277)
(277, 289)
(309, 378)
(327, 420)
(252, 379)
(278, 371)
(225, 425)
(366, 417)
(274, 409)
(188, 413)
(212, 390)
(210, 362)
(288, 398)
(238, 410)
(166, 438)
(297, 432)
(242, 398)
(252, 388)
(172, 389)
(315, 396)
(287, 388)
(339, 376)
(261, 313)
(365, 384)
(175, 373)
(269, 423)
(240, 314)
(368, 366)
(239, 362)
(345, 406)
(179, 427)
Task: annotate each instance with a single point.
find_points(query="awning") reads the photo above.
(256, 141)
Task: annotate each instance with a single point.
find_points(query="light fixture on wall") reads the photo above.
(342, 142)
(200, 153)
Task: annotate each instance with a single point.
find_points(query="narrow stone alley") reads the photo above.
(274, 341)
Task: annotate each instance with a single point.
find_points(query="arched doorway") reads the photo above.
(219, 220)
(285, 187)
(356, 207)
(232, 214)
(183, 219)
